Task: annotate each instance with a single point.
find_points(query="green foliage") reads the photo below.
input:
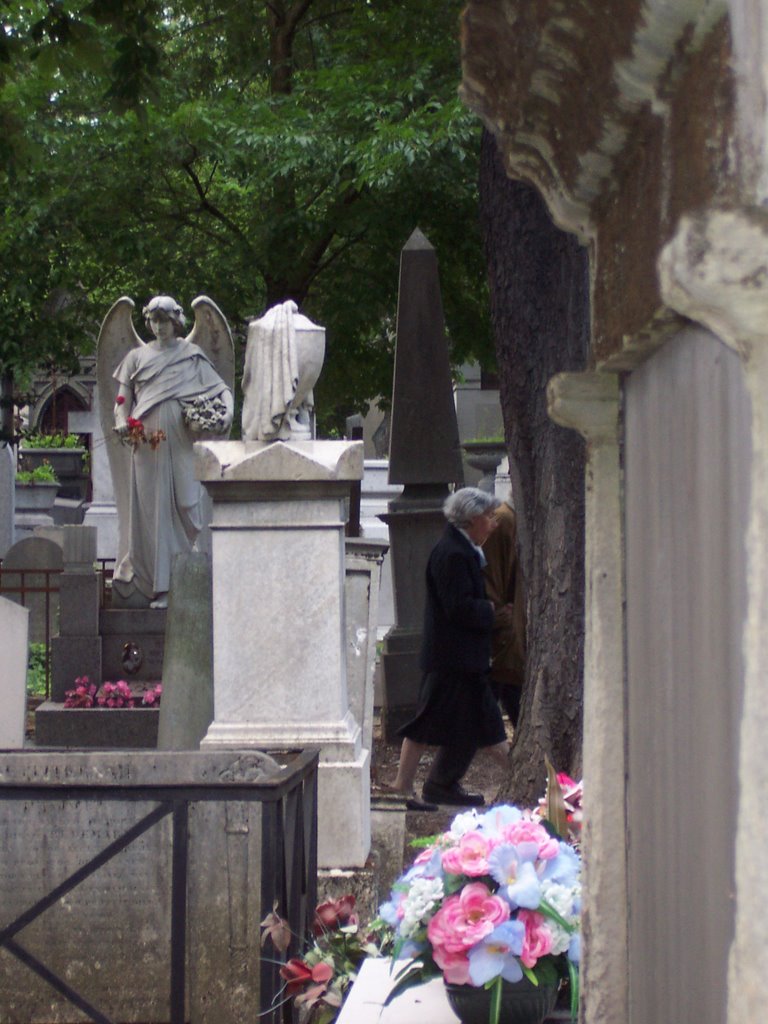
(43, 474)
(55, 440)
(36, 665)
(253, 152)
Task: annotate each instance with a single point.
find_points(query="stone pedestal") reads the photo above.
(416, 523)
(278, 619)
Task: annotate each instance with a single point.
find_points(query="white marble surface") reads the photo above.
(14, 632)
(279, 461)
(424, 1004)
(279, 620)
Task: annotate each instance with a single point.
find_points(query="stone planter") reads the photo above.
(35, 499)
(486, 457)
(67, 464)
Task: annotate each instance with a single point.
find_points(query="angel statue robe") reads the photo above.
(166, 502)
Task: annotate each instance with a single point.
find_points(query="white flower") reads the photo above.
(561, 898)
(423, 895)
(463, 823)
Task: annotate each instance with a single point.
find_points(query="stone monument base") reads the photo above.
(92, 728)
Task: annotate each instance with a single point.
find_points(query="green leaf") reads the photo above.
(410, 977)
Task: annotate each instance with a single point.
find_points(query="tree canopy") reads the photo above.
(252, 151)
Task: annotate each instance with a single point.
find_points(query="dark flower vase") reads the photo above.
(521, 1002)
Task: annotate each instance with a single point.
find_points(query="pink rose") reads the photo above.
(527, 831)
(465, 918)
(538, 938)
(470, 857)
(455, 966)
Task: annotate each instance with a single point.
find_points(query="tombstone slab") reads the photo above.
(186, 709)
(14, 629)
(42, 560)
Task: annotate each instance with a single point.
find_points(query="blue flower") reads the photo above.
(574, 949)
(497, 954)
(388, 911)
(432, 868)
(497, 818)
(564, 868)
(513, 868)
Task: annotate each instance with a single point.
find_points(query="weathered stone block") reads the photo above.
(73, 656)
(109, 728)
(79, 595)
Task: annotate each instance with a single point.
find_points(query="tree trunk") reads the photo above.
(539, 284)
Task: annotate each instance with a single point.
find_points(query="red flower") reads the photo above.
(135, 424)
(120, 400)
(334, 914)
(296, 973)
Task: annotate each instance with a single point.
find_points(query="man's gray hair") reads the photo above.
(461, 507)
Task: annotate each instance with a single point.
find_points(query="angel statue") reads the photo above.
(156, 399)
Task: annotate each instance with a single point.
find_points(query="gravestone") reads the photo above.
(186, 709)
(37, 556)
(7, 497)
(76, 650)
(361, 594)
(14, 628)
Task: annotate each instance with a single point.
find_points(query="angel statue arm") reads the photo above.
(122, 409)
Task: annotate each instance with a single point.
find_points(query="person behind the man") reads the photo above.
(457, 710)
(504, 586)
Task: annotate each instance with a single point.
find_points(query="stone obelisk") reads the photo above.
(425, 457)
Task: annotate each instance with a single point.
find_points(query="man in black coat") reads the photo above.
(457, 710)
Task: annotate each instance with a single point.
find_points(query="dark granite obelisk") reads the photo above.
(425, 457)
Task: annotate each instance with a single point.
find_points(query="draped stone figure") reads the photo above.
(156, 400)
(283, 360)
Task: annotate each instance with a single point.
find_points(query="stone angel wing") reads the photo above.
(212, 334)
(116, 339)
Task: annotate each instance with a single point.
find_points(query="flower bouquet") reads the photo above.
(319, 981)
(495, 898)
(86, 694)
(135, 435)
(204, 415)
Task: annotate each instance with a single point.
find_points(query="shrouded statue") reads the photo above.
(157, 399)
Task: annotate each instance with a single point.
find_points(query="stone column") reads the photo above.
(715, 271)
(589, 403)
(279, 660)
(102, 511)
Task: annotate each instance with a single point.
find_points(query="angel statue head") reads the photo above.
(161, 308)
(156, 400)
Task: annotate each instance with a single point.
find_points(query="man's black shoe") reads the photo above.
(453, 795)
